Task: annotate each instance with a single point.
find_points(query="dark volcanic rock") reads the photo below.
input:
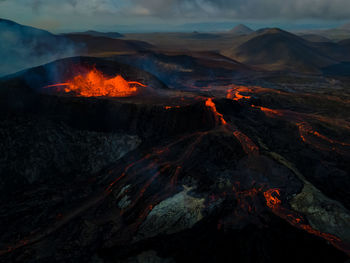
(136, 180)
(55, 152)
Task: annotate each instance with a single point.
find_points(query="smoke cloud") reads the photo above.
(23, 47)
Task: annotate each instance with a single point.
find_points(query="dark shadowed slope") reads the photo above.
(345, 43)
(315, 38)
(94, 45)
(333, 50)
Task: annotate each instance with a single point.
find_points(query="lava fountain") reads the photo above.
(95, 84)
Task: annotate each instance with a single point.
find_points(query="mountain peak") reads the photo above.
(241, 30)
(270, 30)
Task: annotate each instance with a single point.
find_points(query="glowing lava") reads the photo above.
(307, 134)
(247, 144)
(271, 197)
(171, 107)
(235, 93)
(273, 201)
(95, 84)
(305, 129)
(270, 112)
(209, 103)
(244, 92)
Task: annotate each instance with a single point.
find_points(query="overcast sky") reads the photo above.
(60, 15)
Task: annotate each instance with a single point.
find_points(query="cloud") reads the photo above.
(139, 11)
(249, 9)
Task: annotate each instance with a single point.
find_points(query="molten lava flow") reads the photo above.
(270, 112)
(235, 93)
(248, 145)
(274, 203)
(305, 129)
(307, 134)
(271, 197)
(209, 103)
(95, 84)
(171, 107)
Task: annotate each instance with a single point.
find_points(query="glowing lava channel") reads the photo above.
(273, 201)
(209, 103)
(305, 130)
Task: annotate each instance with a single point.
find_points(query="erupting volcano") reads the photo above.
(145, 157)
(95, 84)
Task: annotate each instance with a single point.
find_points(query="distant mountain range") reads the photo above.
(268, 48)
(98, 34)
(335, 34)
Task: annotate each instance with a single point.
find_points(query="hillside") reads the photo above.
(275, 49)
(315, 38)
(94, 45)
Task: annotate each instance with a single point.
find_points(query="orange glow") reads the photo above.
(248, 145)
(305, 129)
(209, 103)
(271, 197)
(171, 107)
(307, 134)
(95, 84)
(274, 203)
(269, 112)
(235, 93)
(245, 198)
